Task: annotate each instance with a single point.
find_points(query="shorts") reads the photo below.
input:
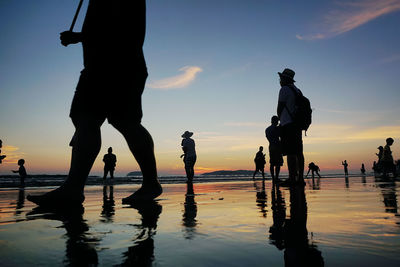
(116, 96)
(259, 167)
(275, 156)
(291, 140)
(189, 161)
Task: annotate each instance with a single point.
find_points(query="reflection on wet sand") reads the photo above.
(80, 246)
(189, 221)
(261, 198)
(388, 190)
(142, 252)
(291, 233)
(108, 210)
(20, 201)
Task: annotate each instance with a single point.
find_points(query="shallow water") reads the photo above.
(335, 222)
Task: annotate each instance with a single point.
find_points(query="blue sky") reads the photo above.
(212, 70)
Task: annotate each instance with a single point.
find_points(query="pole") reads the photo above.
(76, 15)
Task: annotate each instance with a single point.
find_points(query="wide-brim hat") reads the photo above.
(187, 134)
(287, 74)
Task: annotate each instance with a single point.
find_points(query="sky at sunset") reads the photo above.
(213, 71)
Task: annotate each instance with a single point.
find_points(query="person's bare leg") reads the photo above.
(105, 174)
(271, 170)
(85, 148)
(142, 147)
(112, 174)
(300, 161)
(277, 170)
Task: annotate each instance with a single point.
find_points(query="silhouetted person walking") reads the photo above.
(291, 133)
(345, 166)
(110, 86)
(21, 171)
(189, 154)
(1, 156)
(109, 160)
(275, 150)
(259, 161)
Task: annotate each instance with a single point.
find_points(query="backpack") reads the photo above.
(302, 114)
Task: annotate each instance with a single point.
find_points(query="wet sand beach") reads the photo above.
(335, 222)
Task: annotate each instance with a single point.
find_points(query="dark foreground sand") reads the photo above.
(335, 223)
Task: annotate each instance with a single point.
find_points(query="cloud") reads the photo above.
(348, 16)
(179, 81)
(12, 153)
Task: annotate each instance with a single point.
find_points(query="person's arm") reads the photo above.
(281, 106)
(68, 37)
(281, 101)
(14, 171)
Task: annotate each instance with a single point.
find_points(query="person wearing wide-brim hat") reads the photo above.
(189, 154)
(291, 135)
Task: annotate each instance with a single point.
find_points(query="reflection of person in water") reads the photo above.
(108, 210)
(109, 160)
(189, 215)
(20, 201)
(388, 190)
(278, 217)
(259, 161)
(298, 250)
(21, 171)
(1, 156)
(262, 199)
(142, 252)
(80, 246)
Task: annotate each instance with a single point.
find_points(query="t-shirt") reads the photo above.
(113, 35)
(109, 160)
(287, 95)
(272, 133)
(260, 158)
(188, 146)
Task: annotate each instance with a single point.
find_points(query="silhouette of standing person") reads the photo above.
(275, 151)
(109, 160)
(110, 86)
(259, 161)
(345, 166)
(1, 156)
(387, 158)
(291, 135)
(362, 168)
(189, 154)
(21, 171)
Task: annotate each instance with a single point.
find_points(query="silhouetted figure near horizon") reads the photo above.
(291, 134)
(387, 159)
(142, 252)
(259, 161)
(362, 169)
(189, 154)
(345, 167)
(190, 212)
(110, 87)
(110, 161)
(21, 171)
(1, 156)
(313, 168)
(108, 210)
(273, 133)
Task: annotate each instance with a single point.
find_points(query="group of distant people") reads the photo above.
(386, 164)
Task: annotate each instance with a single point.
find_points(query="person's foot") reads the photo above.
(144, 194)
(285, 183)
(58, 197)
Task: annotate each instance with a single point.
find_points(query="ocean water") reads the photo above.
(331, 222)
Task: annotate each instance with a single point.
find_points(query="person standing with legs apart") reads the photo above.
(109, 160)
(259, 161)
(110, 87)
(189, 154)
(294, 113)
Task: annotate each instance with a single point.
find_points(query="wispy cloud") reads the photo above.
(179, 81)
(348, 16)
(12, 153)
